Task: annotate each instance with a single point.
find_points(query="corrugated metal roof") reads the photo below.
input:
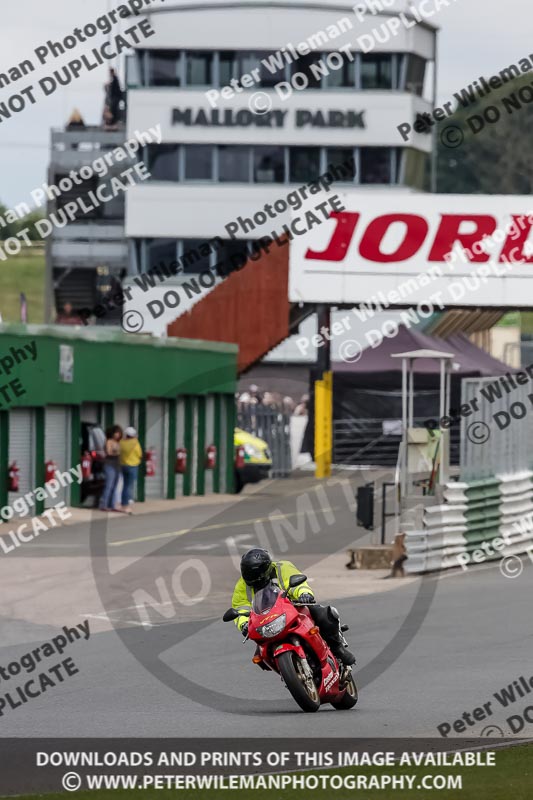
(250, 308)
(101, 334)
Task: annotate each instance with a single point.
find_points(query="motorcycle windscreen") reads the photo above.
(266, 598)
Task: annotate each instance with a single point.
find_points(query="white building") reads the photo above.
(217, 163)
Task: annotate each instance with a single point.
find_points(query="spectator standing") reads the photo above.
(113, 96)
(255, 395)
(288, 405)
(244, 400)
(302, 409)
(75, 121)
(111, 467)
(68, 316)
(268, 400)
(130, 457)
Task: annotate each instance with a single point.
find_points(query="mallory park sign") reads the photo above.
(244, 118)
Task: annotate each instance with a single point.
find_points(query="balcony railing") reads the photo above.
(87, 139)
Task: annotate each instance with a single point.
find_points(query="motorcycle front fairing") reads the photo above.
(274, 617)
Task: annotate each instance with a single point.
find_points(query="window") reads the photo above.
(231, 255)
(198, 162)
(272, 163)
(269, 164)
(304, 164)
(340, 76)
(375, 165)
(163, 162)
(227, 66)
(195, 255)
(82, 191)
(303, 64)
(164, 68)
(199, 68)
(157, 251)
(233, 164)
(343, 158)
(376, 71)
(134, 73)
(233, 64)
(416, 69)
(276, 73)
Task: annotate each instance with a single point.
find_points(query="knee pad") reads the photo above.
(327, 618)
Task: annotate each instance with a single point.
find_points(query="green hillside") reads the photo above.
(23, 273)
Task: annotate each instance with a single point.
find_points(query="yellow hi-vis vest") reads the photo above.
(244, 594)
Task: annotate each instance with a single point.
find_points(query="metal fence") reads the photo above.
(376, 441)
(497, 437)
(275, 428)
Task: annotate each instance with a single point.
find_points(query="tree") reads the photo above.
(10, 229)
(495, 157)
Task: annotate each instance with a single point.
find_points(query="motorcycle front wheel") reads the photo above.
(305, 694)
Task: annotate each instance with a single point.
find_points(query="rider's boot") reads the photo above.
(341, 652)
(336, 640)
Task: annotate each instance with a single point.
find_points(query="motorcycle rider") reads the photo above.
(257, 569)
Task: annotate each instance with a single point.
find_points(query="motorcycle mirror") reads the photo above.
(296, 580)
(230, 615)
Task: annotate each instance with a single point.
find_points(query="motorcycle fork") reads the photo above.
(309, 678)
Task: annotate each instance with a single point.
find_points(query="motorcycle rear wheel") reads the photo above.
(293, 675)
(349, 698)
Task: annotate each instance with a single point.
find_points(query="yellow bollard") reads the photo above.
(323, 425)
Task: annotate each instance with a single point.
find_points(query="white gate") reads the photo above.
(122, 413)
(156, 440)
(22, 449)
(209, 440)
(57, 446)
(194, 455)
(180, 440)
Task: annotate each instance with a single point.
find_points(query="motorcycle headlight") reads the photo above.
(274, 627)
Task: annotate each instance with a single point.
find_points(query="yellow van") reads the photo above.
(254, 463)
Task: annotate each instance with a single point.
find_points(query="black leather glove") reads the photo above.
(244, 630)
(305, 598)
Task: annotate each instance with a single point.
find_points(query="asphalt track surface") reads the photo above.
(427, 651)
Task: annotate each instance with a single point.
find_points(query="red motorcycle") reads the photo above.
(289, 643)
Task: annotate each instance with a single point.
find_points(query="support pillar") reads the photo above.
(324, 398)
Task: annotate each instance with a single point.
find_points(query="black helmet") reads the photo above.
(256, 567)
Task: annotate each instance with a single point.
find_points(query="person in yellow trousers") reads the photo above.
(130, 457)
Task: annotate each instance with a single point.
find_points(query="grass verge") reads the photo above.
(23, 273)
(511, 777)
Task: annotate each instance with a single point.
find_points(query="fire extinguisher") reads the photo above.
(150, 463)
(239, 457)
(181, 461)
(13, 481)
(211, 457)
(86, 466)
(50, 469)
